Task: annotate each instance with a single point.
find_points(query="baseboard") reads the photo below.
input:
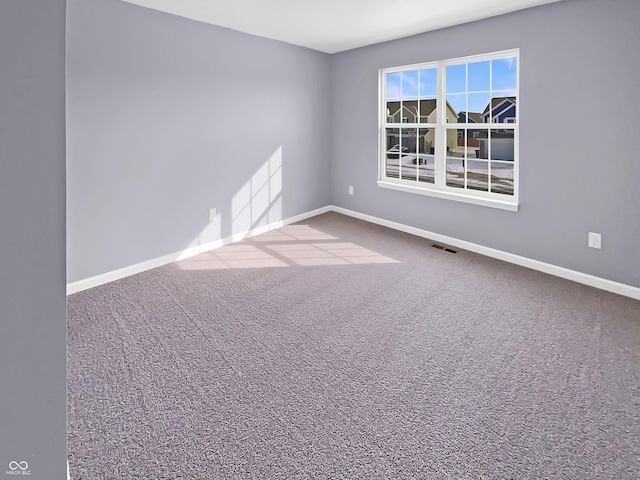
(101, 279)
(584, 278)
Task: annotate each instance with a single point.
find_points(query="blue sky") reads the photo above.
(473, 83)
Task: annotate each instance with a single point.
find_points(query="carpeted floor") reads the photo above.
(337, 349)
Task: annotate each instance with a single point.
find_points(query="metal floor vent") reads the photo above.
(440, 247)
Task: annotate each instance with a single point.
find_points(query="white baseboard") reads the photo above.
(584, 278)
(103, 278)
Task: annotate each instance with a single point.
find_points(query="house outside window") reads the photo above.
(468, 149)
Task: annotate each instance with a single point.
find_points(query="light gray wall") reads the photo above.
(163, 127)
(580, 167)
(168, 118)
(32, 237)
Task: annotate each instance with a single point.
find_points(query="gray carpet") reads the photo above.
(337, 349)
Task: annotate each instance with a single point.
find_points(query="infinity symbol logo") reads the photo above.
(13, 465)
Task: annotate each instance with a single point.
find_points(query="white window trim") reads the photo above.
(449, 195)
(439, 189)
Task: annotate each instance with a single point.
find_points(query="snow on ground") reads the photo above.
(500, 170)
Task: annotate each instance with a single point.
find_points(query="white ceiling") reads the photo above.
(335, 25)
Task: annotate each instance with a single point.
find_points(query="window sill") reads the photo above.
(448, 195)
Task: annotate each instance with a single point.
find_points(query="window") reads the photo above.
(426, 145)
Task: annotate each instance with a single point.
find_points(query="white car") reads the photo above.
(396, 150)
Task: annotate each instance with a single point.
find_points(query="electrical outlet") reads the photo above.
(595, 240)
(213, 213)
(350, 190)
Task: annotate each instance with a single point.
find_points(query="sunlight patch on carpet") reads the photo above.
(294, 245)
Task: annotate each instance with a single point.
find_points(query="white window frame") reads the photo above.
(439, 188)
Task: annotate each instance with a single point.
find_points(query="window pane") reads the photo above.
(454, 160)
(501, 147)
(458, 103)
(408, 154)
(455, 172)
(456, 78)
(410, 111)
(503, 107)
(468, 139)
(392, 165)
(426, 158)
(479, 75)
(410, 84)
(428, 113)
(482, 138)
(393, 86)
(478, 105)
(452, 141)
(478, 175)
(502, 177)
(428, 82)
(503, 72)
(394, 112)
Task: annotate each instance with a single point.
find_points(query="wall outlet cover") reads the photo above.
(595, 240)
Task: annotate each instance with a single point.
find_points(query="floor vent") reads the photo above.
(440, 247)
